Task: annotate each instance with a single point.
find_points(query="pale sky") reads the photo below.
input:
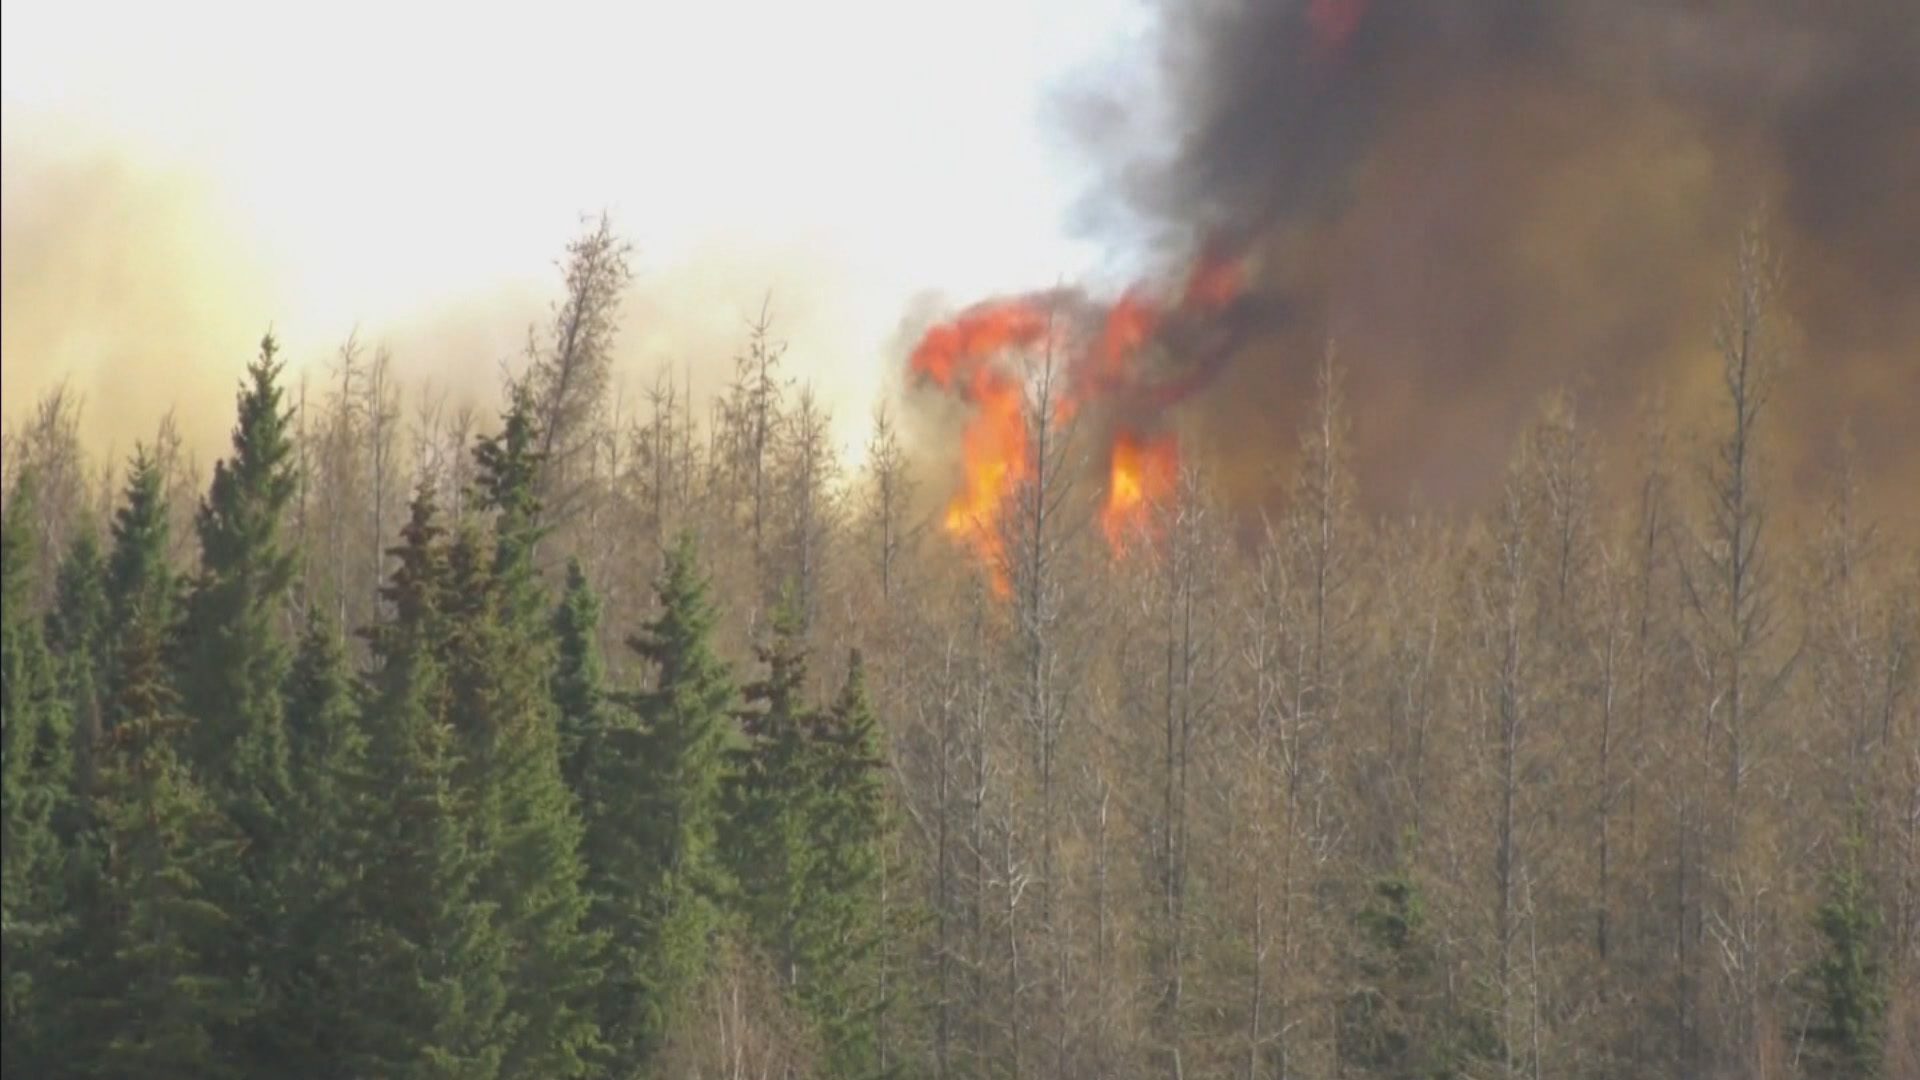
(388, 157)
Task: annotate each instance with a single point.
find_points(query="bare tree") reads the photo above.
(1037, 538)
(1502, 620)
(381, 409)
(809, 473)
(1731, 590)
(888, 496)
(661, 464)
(180, 484)
(570, 369)
(752, 417)
(738, 1026)
(49, 448)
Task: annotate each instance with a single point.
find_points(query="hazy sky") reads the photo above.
(377, 162)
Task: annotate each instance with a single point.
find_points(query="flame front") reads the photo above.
(968, 358)
(962, 357)
(1141, 472)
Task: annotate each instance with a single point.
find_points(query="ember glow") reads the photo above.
(1119, 368)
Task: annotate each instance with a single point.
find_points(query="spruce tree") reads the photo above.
(237, 658)
(771, 800)
(578, 685)
(79, 636)
(501, 660)
(804, 829)
(651, 838)
(1401, 1019)
(325, 740)
(136, 601)
(139, 575)
(845, 920)
(139, 580)
(153, 997)
(1846, 983)
(425, 959)
(233, 684)
(35, 779)
(327, 745)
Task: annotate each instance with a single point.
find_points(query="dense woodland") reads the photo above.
(596, 740)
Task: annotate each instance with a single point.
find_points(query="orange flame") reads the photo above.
(959, 357)
(1128, 325)
(966, 358)
(1141, 472)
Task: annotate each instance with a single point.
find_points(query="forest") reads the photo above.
(587, 737)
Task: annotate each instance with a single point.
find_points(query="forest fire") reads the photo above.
(960, 357)
(1142, 471)
(981, 358)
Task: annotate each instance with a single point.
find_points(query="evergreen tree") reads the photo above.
(235, 664)
(416, 591)
(844, 919)
(578, 688)
(141, 590)
(327, 745)
(1400, 1021)
(125, 679)
(770, 796)
(35, 779)
(651, 838)
(79, 635)
(237, 659)
(509, 467)
(502, 657)
(1846, 983)
(805, 823)
(153, 1000)
(139, 580)
(424, 957)
(325, 740)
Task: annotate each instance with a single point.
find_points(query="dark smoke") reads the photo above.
(1482, 201)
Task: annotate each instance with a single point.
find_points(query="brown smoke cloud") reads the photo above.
(1481, 201)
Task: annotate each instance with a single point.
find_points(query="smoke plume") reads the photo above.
(1481, 201)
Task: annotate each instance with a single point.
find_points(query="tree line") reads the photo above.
(624, 739)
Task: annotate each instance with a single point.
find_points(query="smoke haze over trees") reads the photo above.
(396, 767)
(1461, 618)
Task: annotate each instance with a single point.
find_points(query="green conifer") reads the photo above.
(80, 637)
(578, 688)
(35, 789)
(424, 956)
(1846, 983)
(500, 664)
(651, 839)
(155, 997)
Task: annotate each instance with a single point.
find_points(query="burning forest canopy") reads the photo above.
(1113, 711)
(1479, 203)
